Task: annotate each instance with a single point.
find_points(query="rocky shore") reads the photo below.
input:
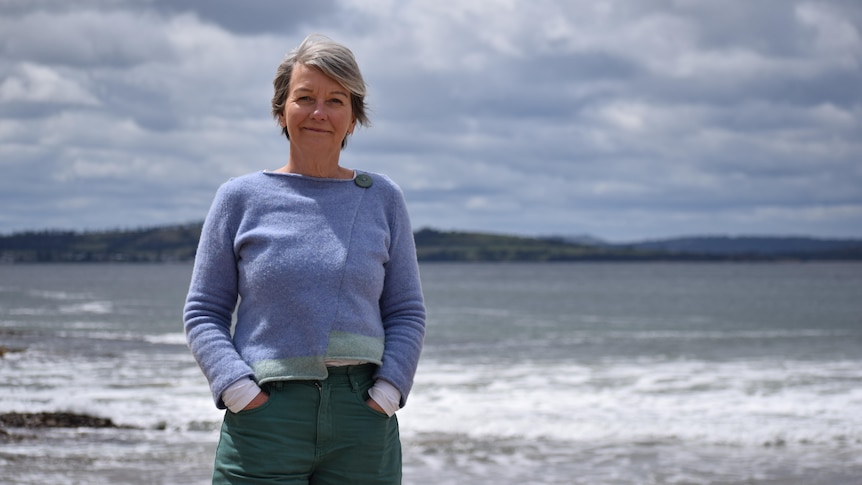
(32, 421)
(54, 420)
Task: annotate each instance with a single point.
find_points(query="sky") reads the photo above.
(621, 120)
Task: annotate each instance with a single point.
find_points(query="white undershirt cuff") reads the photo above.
(386, 396)
(237, 396)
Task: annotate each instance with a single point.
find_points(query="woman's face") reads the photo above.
(317, 112)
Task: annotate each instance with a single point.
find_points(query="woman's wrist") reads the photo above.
(239, 394)
(386, 396)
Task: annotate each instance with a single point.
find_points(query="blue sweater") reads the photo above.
(323, 269)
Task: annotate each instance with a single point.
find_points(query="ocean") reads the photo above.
(563, 373)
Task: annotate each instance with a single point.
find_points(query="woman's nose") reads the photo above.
(319, 111)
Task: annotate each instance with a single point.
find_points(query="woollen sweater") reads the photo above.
(321, 269)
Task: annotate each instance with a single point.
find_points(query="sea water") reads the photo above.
(582, 373)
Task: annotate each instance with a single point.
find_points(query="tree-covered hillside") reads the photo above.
(179, 242)
(158, 244)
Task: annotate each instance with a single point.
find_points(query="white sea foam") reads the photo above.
(58, 295)
(727, 334)
(91, 307)
(141, 388)
(177, 338)
(78, 308)
(728, 403)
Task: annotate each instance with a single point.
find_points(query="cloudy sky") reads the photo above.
(624, 120)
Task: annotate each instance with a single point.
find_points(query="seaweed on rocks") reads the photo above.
(55, 420)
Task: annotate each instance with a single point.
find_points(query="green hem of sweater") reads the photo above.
(342, 346)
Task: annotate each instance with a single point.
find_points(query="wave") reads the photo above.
(721, 334)
(88, 331)
(95, 307)
(753, 403)
(92, 307)
(59, 295)
(177, 338)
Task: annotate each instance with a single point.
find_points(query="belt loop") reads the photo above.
(354, 384)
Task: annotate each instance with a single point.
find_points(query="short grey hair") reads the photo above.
(333, 60)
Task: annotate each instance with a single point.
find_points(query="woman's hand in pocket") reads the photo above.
(257, 402)
(373, 405)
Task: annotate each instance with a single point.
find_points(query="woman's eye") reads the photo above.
(336, 101)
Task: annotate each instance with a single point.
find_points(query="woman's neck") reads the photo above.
(321, 167)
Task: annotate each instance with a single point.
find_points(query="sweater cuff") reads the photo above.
(386, 396)
(237, 396)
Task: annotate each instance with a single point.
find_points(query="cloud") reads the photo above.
(33, 83)
(621, 119)
(250, 17)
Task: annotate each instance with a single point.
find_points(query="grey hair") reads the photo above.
(333, 60)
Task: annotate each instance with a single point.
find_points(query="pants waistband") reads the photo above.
(344, 373)
(352, 369)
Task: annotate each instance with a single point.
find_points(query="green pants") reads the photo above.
(314, 433)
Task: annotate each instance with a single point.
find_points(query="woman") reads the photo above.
(331, 318)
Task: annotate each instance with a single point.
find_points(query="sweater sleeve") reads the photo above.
(212, 297)
(402, 306)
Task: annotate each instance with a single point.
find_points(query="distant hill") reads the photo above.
(752, 246)
(158, 244)
(433, 245)
(179, 242)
